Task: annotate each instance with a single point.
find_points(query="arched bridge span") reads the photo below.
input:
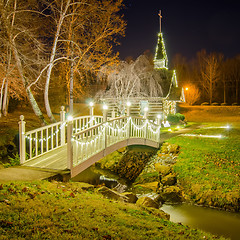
(77, 144)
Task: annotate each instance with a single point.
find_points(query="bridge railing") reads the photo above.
(91, 141)
(45, 139)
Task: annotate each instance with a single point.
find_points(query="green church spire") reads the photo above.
(160, 59)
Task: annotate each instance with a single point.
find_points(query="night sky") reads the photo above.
(187, 26)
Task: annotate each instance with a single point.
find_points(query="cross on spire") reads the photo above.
(160, 21)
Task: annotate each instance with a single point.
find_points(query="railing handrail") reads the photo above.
(45, 127)
(59, 123)
(111, 120)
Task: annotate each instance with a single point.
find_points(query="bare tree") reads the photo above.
(84, 33)
(20, 45)
(234, 77)
(192, 94)
(210, 73)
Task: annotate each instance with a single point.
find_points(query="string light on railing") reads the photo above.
(91, 121)
(92, 140)
(45, 139)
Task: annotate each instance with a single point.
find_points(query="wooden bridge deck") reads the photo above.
(55, 159)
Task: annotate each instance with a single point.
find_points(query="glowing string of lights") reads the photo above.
(122, 129)
(44, 139)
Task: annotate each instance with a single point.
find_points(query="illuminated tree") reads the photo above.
(210, 72)
(135, 79)
(84, 33)
(36, 36)
(20, 48)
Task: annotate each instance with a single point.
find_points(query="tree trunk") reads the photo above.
(237, 91)
(31, 98)
(1, 96)
(210, 94)
(52, 57)
(5, 100)
(224, 91)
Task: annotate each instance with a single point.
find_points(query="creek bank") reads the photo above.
(156, 175)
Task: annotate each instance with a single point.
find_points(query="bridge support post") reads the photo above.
(69, 145)
(22, 142)
(62, 119)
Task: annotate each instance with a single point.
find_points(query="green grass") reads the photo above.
(209, 168)
(44, 210)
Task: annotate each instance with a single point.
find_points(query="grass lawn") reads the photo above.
(44, 210)
(208, 168)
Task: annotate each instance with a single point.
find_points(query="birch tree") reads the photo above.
(20, 46)
(84, 33)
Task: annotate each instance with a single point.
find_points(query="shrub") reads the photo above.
(223, 104)
(205, 104)
(175, 118)
(180, 116)
(14, 161)
(215, 104)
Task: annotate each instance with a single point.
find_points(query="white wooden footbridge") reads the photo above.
(77, 143)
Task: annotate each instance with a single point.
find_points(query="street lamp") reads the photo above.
(91, 104)
(145, 112)
(128, 107)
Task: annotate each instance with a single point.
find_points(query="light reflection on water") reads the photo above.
(211, 220)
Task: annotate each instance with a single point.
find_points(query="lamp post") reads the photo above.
(128, 107)
(91, 107)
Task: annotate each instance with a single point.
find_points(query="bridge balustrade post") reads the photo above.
(69, 145)
(105, 110)
(62, 129)
(22, 142)
(91, 112)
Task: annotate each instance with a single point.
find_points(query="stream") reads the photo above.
(221, 223)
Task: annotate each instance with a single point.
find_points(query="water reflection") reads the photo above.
(211, 220)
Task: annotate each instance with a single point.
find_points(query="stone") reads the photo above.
(147, 202)
(111, 194)
(170, 148)
(152, 185)
(159, 213)
(132, 198)
(172, 194)
(169, 180)
(162, 169)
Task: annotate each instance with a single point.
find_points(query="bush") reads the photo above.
(14, 161)
(223, 104)
(180, 116)
(215, 104)
(175, 118)
(205, 104)
(234, 104)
